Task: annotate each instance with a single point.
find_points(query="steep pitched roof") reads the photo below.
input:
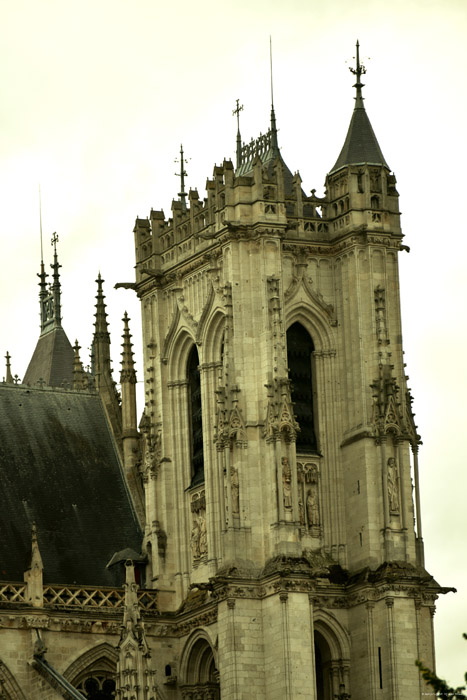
(59, 468)
(361, 145)
(52, 360)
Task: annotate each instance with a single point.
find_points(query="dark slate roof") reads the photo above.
(52, 360)
(361, 145)
(59, 468)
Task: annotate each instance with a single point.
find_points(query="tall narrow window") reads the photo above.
(194, 397)
(299, 349)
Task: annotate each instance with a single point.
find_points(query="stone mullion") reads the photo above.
(182, 475)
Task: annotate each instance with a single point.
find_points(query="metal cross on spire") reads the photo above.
(182, 175)
(54, 241)
(237, 111)
(358, 71)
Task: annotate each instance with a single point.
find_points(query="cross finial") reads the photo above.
(237, 111)
(54, 241)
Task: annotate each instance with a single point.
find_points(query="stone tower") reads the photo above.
(280, 451)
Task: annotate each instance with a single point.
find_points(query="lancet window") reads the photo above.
(196, 418)
(299, 359)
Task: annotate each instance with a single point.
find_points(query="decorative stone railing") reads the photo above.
(78, 597)
(13, 593)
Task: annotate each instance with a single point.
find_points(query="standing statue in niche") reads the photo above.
(235, 490)
(312, 508)
(203, 537)
(393, 485)
(195, 533)
(287, 483)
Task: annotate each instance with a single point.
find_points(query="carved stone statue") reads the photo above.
(312, 507)
(195, 539)
(235, 490)
(393, 486)
(286, 483)
(203, 538)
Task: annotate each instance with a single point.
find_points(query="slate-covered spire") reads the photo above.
(361, 145)
(52, 361)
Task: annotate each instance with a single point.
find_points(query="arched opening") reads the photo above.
(299, 359)
(196, 418)
(93, 673)
(323, 668)
(98, 686)
(202, 677)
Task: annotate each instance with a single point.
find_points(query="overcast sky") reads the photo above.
(96, 97)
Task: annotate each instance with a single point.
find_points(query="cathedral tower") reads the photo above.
(280, 451)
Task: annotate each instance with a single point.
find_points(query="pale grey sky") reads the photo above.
(96, 97)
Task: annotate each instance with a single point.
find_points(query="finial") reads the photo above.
(54, 241)
(273, 114)
(182, 175)
(128, 373)
(358, 71)
(9, 376)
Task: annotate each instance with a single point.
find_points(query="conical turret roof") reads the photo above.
(361, 145)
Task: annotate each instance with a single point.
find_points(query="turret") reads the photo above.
(361, 188)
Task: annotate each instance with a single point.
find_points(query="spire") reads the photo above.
(182, 175)
(361, 145)
(274, 144)
(358, 71)
(237, 111)
(128, 373)
(52, 360)
(101, 338)
(50, 298)
(101, 365)
(9, 376)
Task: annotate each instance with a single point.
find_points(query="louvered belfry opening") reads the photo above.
(299, 349)
(194, 394)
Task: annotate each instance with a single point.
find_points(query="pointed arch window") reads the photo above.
(299, 359)
(196, 418)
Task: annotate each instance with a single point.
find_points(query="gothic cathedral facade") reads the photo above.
(265, 511)
(280, 451)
